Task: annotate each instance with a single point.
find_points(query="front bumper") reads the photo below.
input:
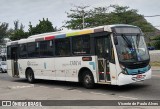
(127, 79)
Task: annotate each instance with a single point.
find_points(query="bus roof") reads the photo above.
(62, 34)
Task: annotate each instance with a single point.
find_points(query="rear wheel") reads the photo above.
(88, 80)
(30, 76)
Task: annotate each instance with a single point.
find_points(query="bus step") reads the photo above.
(16, 76)
(103, 82)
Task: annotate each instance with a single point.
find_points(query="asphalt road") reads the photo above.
(20, 89)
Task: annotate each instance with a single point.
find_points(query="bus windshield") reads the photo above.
(131, 48)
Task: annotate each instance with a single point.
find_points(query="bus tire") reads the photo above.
(1, 70)
(88, 80)
(30, 76)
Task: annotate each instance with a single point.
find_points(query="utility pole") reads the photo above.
(81, 9)
(83, 18)
(153, 16)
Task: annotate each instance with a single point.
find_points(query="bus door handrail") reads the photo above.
(103, 65)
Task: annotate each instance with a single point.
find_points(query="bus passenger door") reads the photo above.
(14, 61)
(102, 51)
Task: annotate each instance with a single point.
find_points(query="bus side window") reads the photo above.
(46, 48)
(62, 47)
(33, 49)
(23, 51)
(81, 45)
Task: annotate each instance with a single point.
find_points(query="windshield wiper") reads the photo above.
(128, 42)
(137, 40)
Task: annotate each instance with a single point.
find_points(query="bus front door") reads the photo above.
(102, 51)
(14, 61)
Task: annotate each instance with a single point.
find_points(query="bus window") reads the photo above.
(33, 49)
(62, 47)
(46, 48)
(81, 45)
(23, 51)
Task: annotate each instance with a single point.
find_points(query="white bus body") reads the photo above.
(98, 69)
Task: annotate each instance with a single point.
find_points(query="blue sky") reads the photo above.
(34, 10)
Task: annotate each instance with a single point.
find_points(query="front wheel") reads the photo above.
(1, 70)
(88, 80)
(30, 76)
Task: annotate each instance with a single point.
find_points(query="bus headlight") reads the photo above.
(124, 71)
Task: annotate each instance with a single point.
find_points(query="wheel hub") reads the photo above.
(88, 79)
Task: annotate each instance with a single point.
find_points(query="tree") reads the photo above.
(3, 31)
(131, 16)
(156, 42)
(43, 27)
(113, 14)
(18, 32)
(98, 16)
(77, 17)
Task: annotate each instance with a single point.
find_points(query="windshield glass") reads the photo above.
(131, 48)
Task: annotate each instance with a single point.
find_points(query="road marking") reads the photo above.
(132, 98)
(20, 87)
(97, 93)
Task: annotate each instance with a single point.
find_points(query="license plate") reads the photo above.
(139, 76)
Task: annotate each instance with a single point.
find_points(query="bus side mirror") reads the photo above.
(115, 40)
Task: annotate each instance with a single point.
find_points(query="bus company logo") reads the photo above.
(6, 103)
(75, 63)
(32, 63)
(29, 63)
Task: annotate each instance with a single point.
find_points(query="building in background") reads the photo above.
(3, 49)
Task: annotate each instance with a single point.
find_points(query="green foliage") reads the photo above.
(113, 14)
(76, 16)
(3, 30)
(19, 33)
(156, 42)
(125, 15)
(98, 16)
(43, 27)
